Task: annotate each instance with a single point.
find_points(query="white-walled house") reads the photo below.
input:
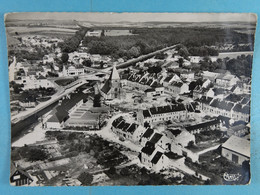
(73, 70)
(180, 137)
(129, 131)
(227, 80)
(158, 91)
(177, 88)
(236, 149)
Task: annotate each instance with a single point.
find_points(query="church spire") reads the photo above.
(114, 74)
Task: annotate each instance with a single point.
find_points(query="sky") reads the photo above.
(134, 17)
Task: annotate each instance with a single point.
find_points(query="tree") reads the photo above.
(180, 62)
(87, 63)
(146, 124)
(36, 154)
(64, 57)
(85, 178)
(134, 51)
(97, 101)
(102, 33)
(17, 88)
(112, 170)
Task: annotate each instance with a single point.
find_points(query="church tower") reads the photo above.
(112, 87)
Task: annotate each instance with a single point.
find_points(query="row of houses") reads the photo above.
(172, 83)
(235, 111)
(164, 113)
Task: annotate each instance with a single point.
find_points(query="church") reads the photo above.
(112, 88)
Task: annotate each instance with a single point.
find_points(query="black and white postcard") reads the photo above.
(110, 99)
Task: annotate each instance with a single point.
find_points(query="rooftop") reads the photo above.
(156, 137)
(148, 133)
(239, 145)
(156, 157)
(202, 125)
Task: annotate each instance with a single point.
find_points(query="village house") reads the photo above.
(236, 149)
(180, 137)
(210, 75)
(199, 91)
(160, 140)
(48, 58)
(221, 107)
(177, 88)
(133, 79)
(147, 154)
(238, 130)
(94, 33)
(205, 126)
(188, 75)
(73, 70)
(19, 177)
(226, 80)
(153, 92)
(129, 131)
(170, 79)
(146, 136)
(37, 82)
(241, 112)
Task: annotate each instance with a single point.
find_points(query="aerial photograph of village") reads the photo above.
(110, 99)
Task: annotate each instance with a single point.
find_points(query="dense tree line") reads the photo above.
(196, 41)
(22, 55)
(242, 66)
(71, 44)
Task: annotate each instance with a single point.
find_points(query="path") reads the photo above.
(208, 149)
(184, 168)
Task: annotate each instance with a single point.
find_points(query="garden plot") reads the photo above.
(54, 164)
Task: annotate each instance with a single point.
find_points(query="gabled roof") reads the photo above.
(121, 125)
(149, 90)
(172, 155)
(69, 103)
(148, 149)
(41, 77)
(156, 137)
(13, 169)
(132, 128)
(175, 132)
(156, 157)
(205, 100)
(177, 84)
(167, 109)
(148, 133)
(167, 79)
(241, 108)
(146, 113)
(222, 104)
(238, 145)
(238, 127)
(117, 121)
